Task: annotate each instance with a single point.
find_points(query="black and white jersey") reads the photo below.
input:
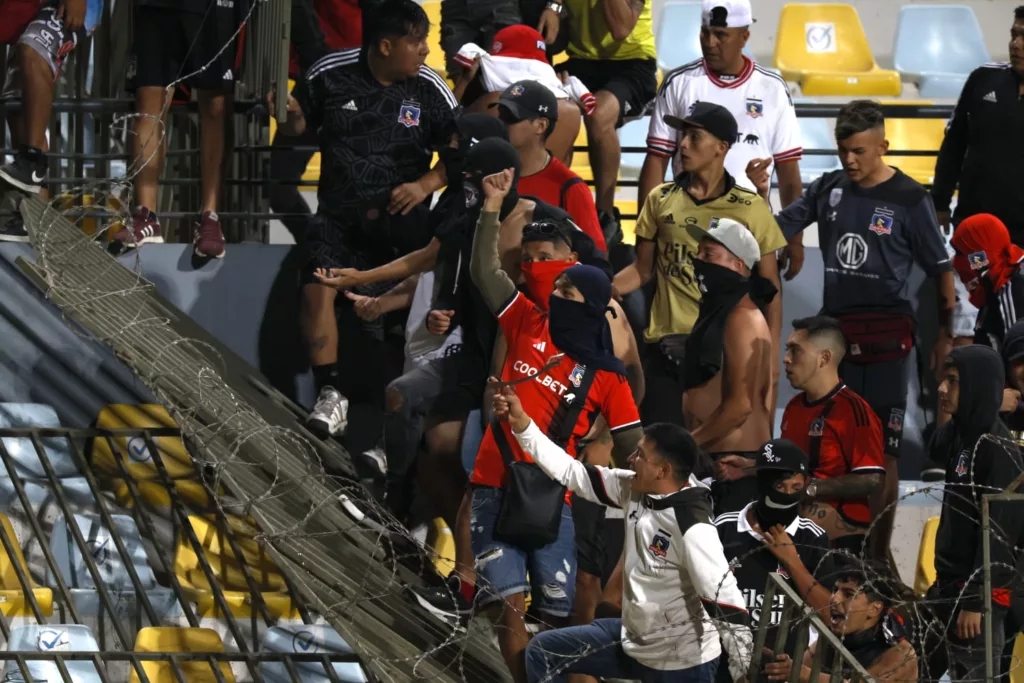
(1001, 310)
(372, 137)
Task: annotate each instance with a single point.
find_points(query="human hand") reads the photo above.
(1010, 399)
(439, 322)
(406, 196)
(498, 185)
(968, 625)
(778, 670)
(548, 25)
(293, 108)
(779, 544)
(72, 14)
(339, 278)
(945, 220)
(508, 407)
(733, 467)
(366, 307)
(791, 260)
(757, 172)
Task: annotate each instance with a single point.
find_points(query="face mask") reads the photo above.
(453, 160)
(715, 279)
(774, 507)
(974, 280)
(539, 278)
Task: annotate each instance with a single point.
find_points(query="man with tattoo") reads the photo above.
(840, 433)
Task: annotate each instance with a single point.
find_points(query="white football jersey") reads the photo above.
(758, 99)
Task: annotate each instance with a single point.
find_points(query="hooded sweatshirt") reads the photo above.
(1013, 348)
(976, 465)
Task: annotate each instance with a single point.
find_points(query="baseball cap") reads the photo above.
(527, 100)
(732, 235)
(520, 42)
(782, 454)
(726, 13)
(713, 118)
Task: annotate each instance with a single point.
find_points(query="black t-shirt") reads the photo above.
(751, 562)
(189, 6)
(870, 239)
(372, 137)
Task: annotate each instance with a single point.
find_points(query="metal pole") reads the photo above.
(986, 567)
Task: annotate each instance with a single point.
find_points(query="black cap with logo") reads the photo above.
(528, 100)
(782, 454)
(713, 118)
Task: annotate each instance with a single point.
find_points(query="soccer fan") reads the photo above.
(980, 459)
(473, 21)
(680, 599)
(757, 98)
(44, 34)
(380, 114)
(567, 373)
(701, 195)
(530, 112)
(175, 39)
(840, 433)
(1012, 409)
(862, 616)
(611, 49)
(989, 265)
(874, 223)
(977, 159)
(769, 535)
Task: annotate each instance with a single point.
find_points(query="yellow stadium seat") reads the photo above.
(1017, 663)
(169, 639)
(581, 159)
(12, 597)
(823, 47)
(925, 574)
(914, 135)
(435, 60)
(312, 174)
(441, 540)
(628, 207)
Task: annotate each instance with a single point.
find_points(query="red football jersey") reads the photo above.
(529, 348)
(840, 434)
(577, 201)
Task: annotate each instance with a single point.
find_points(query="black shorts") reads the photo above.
(473, 21)
(171, 44)
(634, 82)
(884, 387)
(599, 540)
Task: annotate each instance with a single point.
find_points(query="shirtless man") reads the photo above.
(727, 364)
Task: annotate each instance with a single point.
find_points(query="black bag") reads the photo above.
(531, 502)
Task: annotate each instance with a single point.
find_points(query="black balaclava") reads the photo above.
(774, 507)
(579, 328)
(471, 129)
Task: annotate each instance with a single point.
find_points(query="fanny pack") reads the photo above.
(673, 348)
(877, 337)
(531, 501)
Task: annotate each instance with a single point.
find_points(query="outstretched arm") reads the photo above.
(484, 265)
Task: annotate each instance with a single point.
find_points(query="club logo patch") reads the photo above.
(961, 465)
(835, 196)
(659, 546)
(817, 428)
(409, 114)
(881, 222)
(978, 260)
(755, 108)
(896, 420)
(516, 90)
(576, 376)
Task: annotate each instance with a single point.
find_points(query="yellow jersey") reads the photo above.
(590, 37)
(667, 213)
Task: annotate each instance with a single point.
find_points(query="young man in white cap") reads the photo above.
(727, 362)
(757, 98)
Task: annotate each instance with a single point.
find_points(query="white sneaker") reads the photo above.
(377, 459)
(330, 414)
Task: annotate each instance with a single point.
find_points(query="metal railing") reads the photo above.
(1009, 495)
(797, 619)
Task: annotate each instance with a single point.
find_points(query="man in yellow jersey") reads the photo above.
(611, 49)
(701, 195)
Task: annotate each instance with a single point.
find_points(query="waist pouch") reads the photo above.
(673, 348)
(877, 337)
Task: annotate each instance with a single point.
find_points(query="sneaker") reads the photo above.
(330, 414)
(28, 170)
(445, 602)
(13, 230)
(207, 237)
(145, 229)
(377, 460)
(611, 226)
(933, 473)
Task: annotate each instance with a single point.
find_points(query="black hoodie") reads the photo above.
(1013, 347)
(976, 466)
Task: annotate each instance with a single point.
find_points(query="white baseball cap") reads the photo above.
(726, 13)
(733, 236)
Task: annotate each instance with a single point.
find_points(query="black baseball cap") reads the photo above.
(528, 100)
(782, 454)
(713, 118)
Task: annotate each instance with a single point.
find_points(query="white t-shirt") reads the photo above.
(420, 345)
(758, 99)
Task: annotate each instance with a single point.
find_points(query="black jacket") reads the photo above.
(976, 465)
(983, 150)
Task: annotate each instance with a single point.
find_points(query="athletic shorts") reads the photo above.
(38, 27)
(634, 82)
(473, 21)
(884, 387)
(599, 538)
(171, 44)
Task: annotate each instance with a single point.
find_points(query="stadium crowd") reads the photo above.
(594, 420)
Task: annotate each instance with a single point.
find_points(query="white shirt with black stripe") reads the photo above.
(757, 98)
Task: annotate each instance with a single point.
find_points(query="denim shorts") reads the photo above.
(502, 569)
(472, 437)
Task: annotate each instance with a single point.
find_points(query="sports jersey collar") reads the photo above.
(730, 183)
(741, 78)
(743, 525)
(661, 501)
(827, 397)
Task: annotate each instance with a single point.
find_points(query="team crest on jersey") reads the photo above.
(576, 376)
(978, 260)
(659, 546)
(755, 108)
(881, 222)
(715, 220)
(896, 420)
(961, 465)
(409, 114)
(835, 196)
(817, 428)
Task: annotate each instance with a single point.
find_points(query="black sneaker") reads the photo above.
(933, 473)
(445, 602)
(28, 170)
(611, 226)
(13, 230)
